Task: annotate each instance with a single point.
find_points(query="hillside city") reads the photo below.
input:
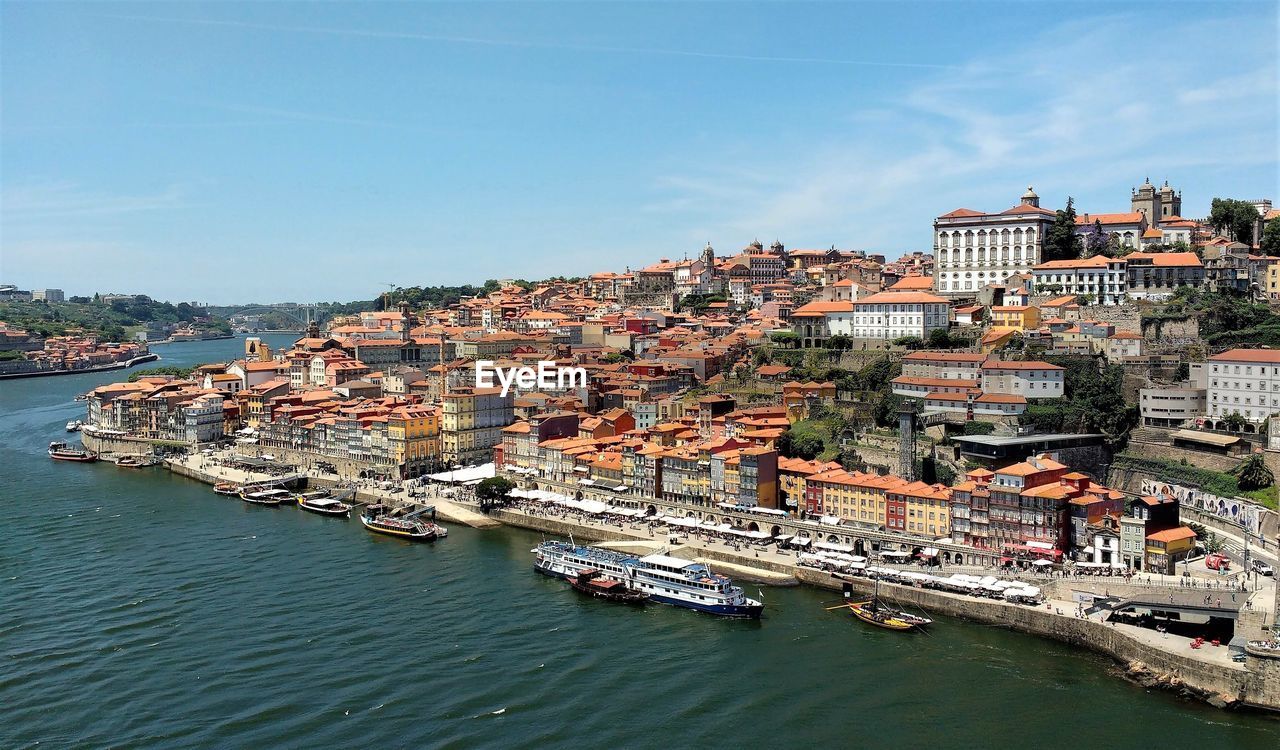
(981, 393)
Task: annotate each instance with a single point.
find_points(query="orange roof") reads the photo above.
(881, 298)
(960, 213)
(913, 283)
(1167, 259)
(1097, 261)
(821, 308)
(1128, 218)
(1269, 356)
(1172, 535)
(997, 364)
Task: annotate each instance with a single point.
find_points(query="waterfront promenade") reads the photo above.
(1167, 659)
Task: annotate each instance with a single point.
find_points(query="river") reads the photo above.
(138, 609)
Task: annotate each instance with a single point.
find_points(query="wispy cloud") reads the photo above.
(63, 200)
(978, 136)
(531, 44)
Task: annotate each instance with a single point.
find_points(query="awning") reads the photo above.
(1042, 563)
(929, 552)
(801, 541)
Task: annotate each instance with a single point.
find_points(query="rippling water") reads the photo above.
(137, 609)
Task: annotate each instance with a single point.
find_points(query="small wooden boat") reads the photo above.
(74, 425)
(378, 519)
(60, 451)
(323, 504)
(130, 462)
(271, 498)
(226, 488)
(875, 612)
(596, 584)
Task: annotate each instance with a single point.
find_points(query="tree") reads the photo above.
(1095, 242)
(840, 342)
(803, 444)
(1061, 241)
(1270, 243)
(1233, 218)
(762, 355)
(784, 338)
(493, 491)
(1253, 474)
(1235, 422)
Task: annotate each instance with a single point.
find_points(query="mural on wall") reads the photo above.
(1240, 512)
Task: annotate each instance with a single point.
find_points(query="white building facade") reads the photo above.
(972, 249)
(1244, 382)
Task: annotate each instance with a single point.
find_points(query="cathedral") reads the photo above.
(1158, 206)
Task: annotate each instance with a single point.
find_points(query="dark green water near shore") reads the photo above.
(138, 609)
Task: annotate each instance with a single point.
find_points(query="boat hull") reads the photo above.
(75, 458)
(882, 620)
(399, 534)
(344, 512)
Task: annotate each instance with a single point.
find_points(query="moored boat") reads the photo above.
(131, 462)
(74, 425)
(379, 519)
(662, 578)
(60, 451)
(226, 488)
(874, 611)
(269, 497)
(323, 504)
(594, 583)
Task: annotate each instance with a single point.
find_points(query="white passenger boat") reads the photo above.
(666, 579)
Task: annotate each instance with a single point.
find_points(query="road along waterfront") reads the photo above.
(143, 610)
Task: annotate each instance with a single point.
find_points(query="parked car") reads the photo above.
(1263, 569)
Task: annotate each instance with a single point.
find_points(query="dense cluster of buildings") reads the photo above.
(33, 354)
(677, 407)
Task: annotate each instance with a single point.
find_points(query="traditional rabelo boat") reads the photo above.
(322, 503)
(411, 526)
(60, 451)
(597, 584)
(226, 488)
(875, 612)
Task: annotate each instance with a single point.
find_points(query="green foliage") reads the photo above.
(494, 487)
(1093, 401)
(431, 297)
(10, 355)
(1219, 483)
(698, 303)
(1235, 421)
(762, 355)
(1270, 242)
(1253, 474)
(978, 428)
(840, 342)
(1233, 218)
(151, 372)
(493, 490)
(910, 342)
(800, 442)
(785, 338)
(108, 322)
(1061, 241)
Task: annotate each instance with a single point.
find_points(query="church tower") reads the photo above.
(708, 257)
(1170, 203)
(1030, 198)
(1144, 201)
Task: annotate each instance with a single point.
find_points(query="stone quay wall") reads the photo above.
(115, 445)
(1254, 686)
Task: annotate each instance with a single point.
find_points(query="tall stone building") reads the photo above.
(1156, 205)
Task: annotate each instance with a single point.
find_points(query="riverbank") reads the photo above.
(149, 357)
(1151, 658)
(1157, 660)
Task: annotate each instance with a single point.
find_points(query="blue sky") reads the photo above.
(232, 152)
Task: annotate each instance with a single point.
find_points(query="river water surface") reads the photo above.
(138, 609)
